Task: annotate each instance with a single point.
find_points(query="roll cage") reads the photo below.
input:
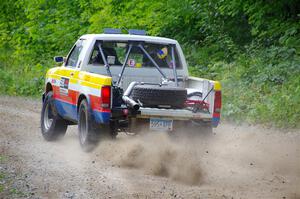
(139, 45)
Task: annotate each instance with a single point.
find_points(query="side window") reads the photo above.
(96, 58)
(74, 55)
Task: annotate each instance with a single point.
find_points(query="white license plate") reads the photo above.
(158, 124)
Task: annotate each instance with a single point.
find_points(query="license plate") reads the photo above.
(158, 124)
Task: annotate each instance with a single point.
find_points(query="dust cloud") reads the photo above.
(241, 156)
(232, 155)
(236, 161)
(157, 154)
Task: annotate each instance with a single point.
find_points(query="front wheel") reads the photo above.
(53, 126)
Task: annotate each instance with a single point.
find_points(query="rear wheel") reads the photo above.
(53, 126)
(112, 131)
(88, 135)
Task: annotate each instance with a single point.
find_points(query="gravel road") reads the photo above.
(236, 162)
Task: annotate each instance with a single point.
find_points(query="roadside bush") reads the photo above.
(260, 86)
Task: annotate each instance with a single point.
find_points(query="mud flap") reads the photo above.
(43, 97)
(215, 121)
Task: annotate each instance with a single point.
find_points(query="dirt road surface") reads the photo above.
(235, 162)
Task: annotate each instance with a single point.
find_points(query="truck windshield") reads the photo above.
(115, 54)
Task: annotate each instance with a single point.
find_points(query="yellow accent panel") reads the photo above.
(61, 71)
(85, 78)
(217, 86)
(52, 71)
(91, 85)
(91, 79)
(53, 76)
(74, 81)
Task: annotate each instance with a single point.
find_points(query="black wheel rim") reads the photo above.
(48, 117)
(83, 126)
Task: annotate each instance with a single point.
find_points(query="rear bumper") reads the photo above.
(176, 114)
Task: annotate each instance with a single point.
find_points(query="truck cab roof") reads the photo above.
(128, 37)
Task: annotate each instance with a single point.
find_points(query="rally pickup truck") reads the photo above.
(114, 82)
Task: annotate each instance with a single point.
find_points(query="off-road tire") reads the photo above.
(87, 132)
(112, 131)
(53, 126)
(156, 96)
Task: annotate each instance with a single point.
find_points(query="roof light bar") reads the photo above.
(112, 31)
(136, 32)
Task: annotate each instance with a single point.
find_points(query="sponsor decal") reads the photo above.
(162, 53)
(131, 62)
(64, 86)
(111, 60)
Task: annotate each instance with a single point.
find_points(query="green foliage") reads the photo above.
(2, 176)
(263, 87)
(251, 46)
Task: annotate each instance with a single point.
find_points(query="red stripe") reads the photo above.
(216, 114)
(96, 104)
(72, 98)
(55, 92)
(66, 98)
(73, 95)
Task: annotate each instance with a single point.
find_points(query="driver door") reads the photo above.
(68, 82)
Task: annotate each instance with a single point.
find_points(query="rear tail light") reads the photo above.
(217, 103)
(105, 96)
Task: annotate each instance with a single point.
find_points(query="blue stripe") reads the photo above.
(66, 110)
(215, 121)
(101, 117)
(70, 111)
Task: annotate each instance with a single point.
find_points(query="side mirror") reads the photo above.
(59, 59)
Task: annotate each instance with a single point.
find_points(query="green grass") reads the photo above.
(2, 158)
(16, 192)
(2, 174)
(30, 83)
(6, 188)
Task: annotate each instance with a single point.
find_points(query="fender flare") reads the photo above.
(82, 96)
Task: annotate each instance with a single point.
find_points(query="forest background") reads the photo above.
(251, 46)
